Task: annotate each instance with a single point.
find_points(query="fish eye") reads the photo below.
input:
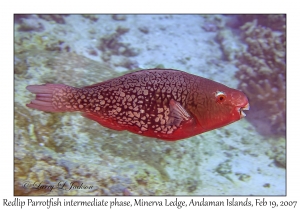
(220, 96)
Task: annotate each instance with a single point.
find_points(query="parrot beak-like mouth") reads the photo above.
(241, 109)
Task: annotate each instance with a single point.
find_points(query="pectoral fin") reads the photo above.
(177, 113)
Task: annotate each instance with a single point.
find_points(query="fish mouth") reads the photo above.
(241, 109)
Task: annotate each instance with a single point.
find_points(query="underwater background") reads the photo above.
(247, 52)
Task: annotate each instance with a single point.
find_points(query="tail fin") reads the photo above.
(44, 97)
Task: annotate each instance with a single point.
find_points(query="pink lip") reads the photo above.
(241, 109)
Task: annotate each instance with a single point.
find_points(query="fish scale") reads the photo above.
(161, 103)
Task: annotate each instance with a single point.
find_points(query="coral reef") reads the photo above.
(118, 17)
(228, 43)
(30, 24)
(213, 23)
(114, 49)
(111, 45)
(56, 18)
(272, 21)
(262, 73)
(277, 153)
(91, 17)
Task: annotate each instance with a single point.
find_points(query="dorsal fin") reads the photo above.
(141, 71)
(177, 113)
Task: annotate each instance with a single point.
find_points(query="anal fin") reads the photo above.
(104, 122)
(177, 113)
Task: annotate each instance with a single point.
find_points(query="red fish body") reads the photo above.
(166, 104)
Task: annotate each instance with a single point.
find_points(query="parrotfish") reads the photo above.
(160, 103)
